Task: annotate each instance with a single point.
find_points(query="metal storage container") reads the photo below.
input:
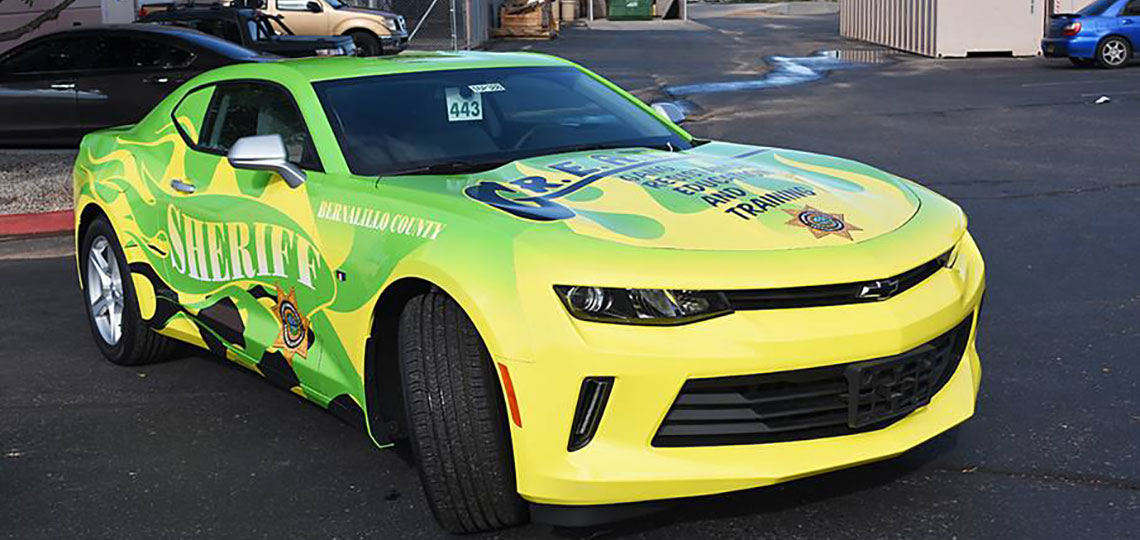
(947, 28)
(630, 10)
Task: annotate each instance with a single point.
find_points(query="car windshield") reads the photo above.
(1098, 8)
(391, 124)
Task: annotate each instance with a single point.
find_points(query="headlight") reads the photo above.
(330, 52)
(660, 307)
(391, 24)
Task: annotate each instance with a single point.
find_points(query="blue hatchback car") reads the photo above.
(1104, 33)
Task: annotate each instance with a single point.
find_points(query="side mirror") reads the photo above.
(315, 7)
(265, 153)
(669, 110)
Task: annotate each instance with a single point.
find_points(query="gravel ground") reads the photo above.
(35, 180)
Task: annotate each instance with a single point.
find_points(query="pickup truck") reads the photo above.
(248, 27)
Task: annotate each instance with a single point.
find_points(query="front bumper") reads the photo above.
(393, 44)
(621, 465)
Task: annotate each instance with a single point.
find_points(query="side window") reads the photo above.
(42, 56)
(242, 109)
(225, 29)
(1132, 9)
(191, 112)
(124, 52)
(110, 52)
(293, 5)
(152, 54)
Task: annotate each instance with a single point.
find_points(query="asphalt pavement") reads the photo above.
(196, 448)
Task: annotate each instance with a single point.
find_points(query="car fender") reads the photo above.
(355, 24)
(1116, 35)
(492, 308)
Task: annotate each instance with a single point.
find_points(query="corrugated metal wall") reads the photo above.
(14, 14)
(907, 25)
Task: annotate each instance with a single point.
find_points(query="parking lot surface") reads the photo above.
(196, 448)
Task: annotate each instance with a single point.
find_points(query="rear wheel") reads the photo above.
(1113, 52)
(112, 306)
(367, 44)
(456, 418)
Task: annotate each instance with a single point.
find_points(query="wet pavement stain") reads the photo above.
(790, 71)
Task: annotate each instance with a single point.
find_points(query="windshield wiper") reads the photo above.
(448, 167)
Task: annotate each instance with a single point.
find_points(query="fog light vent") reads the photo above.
(591, 404)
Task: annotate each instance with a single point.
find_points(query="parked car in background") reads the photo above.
(249, 28)
(375, 32)
(1104, 33)
(57, 87)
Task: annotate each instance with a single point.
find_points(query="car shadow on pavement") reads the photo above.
(782, 497)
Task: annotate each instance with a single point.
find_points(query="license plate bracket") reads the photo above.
(887, 388)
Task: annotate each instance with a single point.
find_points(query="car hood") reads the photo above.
(717, 196)
(371, 12)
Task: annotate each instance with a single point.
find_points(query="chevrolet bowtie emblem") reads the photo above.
(879, 290)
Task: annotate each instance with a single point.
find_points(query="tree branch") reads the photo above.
(32, 25)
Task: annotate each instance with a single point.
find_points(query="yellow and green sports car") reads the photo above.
(559, 299)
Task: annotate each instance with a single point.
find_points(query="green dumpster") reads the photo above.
(630, 10)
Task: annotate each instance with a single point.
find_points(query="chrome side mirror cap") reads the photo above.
(669, 110)
(265, 153)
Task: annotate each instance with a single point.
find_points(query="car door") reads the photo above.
(1129, 23)
(301, 19)
(125, 75)
(37, 93)
(245, 240)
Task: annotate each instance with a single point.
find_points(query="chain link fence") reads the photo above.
(441, 24)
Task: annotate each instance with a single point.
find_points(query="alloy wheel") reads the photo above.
(105, 291)
(1115, 52)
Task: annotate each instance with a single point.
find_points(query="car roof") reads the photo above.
(221, 12)
(347, 67)
(201, 39)
(144, 28)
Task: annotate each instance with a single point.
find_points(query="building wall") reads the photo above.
(14, 14)
(1069, 6)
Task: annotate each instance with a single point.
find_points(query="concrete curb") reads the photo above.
(42, 223)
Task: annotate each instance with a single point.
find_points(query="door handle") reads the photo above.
(1126, 21)
(182, 187)
(63, 86)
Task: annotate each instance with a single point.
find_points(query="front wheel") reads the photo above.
(367, 44)
(1113, 53)
(112, 306)
(456, 418)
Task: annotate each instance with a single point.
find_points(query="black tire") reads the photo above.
(1082, 62)
(1114, 52)
(456, 418)
(137, 344)
(367, 44)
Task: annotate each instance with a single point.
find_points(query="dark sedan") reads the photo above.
(58, 87)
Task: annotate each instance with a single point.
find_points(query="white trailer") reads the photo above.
(952, 28)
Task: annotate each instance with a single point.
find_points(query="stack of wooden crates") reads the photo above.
(536, 21)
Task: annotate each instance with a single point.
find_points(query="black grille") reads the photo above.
(812, 403)
(834, 295)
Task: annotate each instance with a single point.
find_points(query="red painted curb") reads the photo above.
(43, 223)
